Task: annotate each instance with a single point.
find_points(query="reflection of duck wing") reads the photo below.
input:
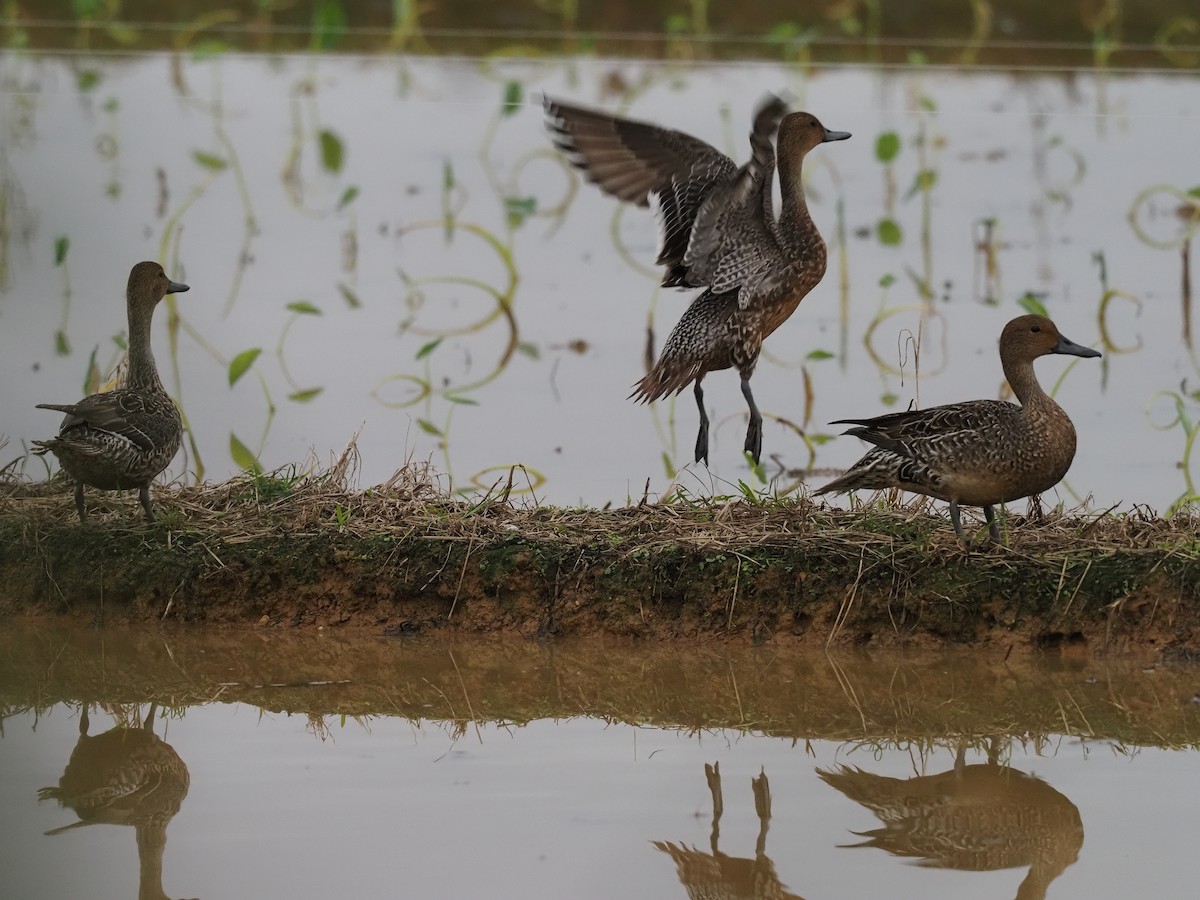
(717, 875)
(977, 818)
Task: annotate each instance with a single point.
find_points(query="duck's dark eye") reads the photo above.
(1036, 328)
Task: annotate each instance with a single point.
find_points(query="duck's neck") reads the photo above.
(794, 220)
(1025, 386)
(143, 373)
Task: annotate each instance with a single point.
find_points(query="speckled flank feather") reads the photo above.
(979, 452)
(122, 439)
(719, 232)
(979, 817)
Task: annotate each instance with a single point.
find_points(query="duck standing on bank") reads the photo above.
(979, 452)
(719, 232)
(122, 439)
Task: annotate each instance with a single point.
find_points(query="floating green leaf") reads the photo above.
(61, 245)
(348, 196)
(887, 281)
(924, 181)
(465, 401)
(1032, 304)
(305, 395)
(512, 97)
(242, 457)
(332, 151)
(202, 50)
(349, 296)
(426, 349)
(529, 349)
(209, 161)
(428, 427)
(241, 363)
(889, 232)
(887, 145)
(820, 439)
(304, 308)
(519, 209)
(329, 24)
(818, 355)
(61, 345)
(87, 80)
(1194, 192)
(889, 399)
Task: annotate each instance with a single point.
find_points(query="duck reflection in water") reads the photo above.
(125, 776)
(717, 875)
(976, 818)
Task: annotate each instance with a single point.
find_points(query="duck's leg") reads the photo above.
(79, 504)
(712, 775)
(993, 528)
(754, 432)
(144, 497)
(702, 435)
(956, 521)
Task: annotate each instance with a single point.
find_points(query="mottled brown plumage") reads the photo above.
(719, 232)
(125, 776)
(979, 452)
(122, 439)
(974, 818)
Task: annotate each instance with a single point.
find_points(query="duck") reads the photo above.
(719, 233)
(122, 439)
(978, 452)
(716, 874)
(974, 818)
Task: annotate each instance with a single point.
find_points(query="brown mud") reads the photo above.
(878, 697)
(403, 561)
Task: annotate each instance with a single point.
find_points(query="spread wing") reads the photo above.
(733, 246)
(631, 160)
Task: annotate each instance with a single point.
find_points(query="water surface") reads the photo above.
(295, 765)
(398, 243)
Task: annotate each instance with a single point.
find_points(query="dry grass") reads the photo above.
(413, 500)
(879, 566)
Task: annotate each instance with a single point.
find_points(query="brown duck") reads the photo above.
(975, 818)
(979, 452)
(122, 439)
(719, 232)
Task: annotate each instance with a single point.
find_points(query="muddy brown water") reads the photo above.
(217, 763)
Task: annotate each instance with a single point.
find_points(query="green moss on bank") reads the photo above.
(786, 571)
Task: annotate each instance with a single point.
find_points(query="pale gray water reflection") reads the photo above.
(306, 794)
(391, 244)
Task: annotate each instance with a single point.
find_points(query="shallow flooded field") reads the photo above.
(268, 764)
(390, 244)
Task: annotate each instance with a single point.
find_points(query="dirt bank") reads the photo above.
(406, 560)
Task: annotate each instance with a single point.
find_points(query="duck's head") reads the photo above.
(148, 284)
(1031, 336)
(799, 132)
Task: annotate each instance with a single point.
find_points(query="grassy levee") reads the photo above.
(407, 558)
